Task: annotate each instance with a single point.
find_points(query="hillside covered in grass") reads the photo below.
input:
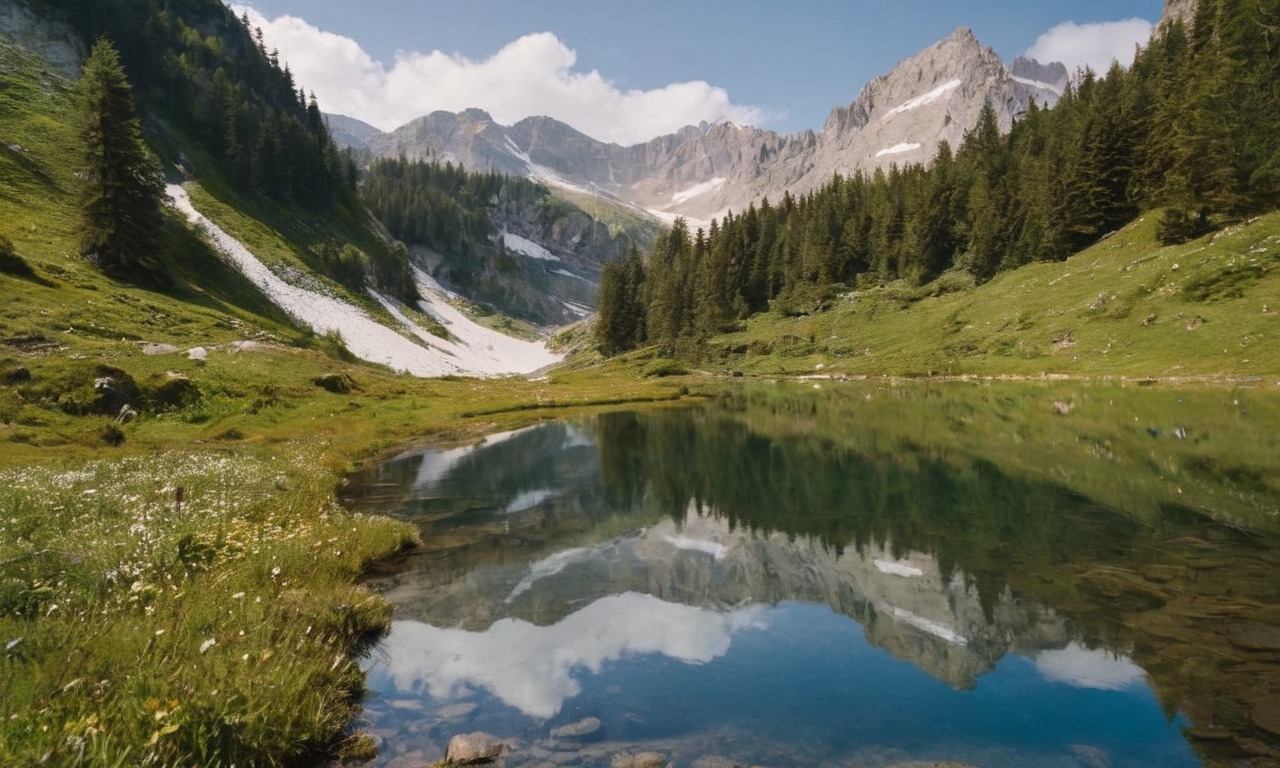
(1127, 306)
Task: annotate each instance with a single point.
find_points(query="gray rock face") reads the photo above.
(51, 41)
(1184, 10)
(700, 172)
(476, 748)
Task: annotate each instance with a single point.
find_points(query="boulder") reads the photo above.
(476, 748)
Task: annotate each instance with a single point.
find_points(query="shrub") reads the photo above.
(111, 435)
(662, 369)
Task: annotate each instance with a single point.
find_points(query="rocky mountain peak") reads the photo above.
(1053, 75)
(702, 171)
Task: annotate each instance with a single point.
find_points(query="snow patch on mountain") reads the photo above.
(698, 190)
(1039, 84)
(927, 98)
(527, 247)
(898, 149)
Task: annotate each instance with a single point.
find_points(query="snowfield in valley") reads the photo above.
(473, 349)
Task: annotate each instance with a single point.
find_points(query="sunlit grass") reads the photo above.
(1125, 307)
(143, 630)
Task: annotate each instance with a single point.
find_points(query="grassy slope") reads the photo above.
(1123, 307)
(110, 590)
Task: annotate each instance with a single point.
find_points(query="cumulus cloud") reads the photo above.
(1092, 45)
(534, 75)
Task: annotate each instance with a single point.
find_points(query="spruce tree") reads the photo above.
(121, 217)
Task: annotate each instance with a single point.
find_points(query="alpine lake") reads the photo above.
(876, 573)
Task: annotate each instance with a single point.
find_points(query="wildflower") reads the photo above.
(207, 644)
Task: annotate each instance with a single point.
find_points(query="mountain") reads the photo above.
(702, 171)
(350, 132)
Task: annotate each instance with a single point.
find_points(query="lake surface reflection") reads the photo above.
(785, 577)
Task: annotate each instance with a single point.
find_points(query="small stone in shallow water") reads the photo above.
(641, 760)
(584, 727)
(474, 748)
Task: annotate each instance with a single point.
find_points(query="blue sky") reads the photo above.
(783, 65)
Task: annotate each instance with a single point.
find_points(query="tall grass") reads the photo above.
(220, 629)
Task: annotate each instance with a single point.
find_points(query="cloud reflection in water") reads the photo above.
(532, 668)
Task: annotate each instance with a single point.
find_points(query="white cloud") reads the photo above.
(1092, 45)
(533, 75)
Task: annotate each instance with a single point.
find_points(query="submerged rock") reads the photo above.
(476, 748)
(1255, 636)
(641, 760)
(584, 727)
(1266, 715)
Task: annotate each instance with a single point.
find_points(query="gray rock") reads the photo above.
(584, 727)
(476, 748)
(640, 760)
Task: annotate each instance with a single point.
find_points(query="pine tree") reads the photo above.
(121, 217)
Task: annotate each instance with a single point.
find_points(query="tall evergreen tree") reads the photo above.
(123, 188)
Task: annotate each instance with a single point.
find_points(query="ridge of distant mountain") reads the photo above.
(701, 172)
(350, 132)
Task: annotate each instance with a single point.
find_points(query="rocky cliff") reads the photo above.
(1182, 10)
(702, 171)
(53, 42)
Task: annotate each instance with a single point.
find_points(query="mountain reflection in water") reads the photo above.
(718, 582)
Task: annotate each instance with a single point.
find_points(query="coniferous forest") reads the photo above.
(1191, 131)
(203, 70)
